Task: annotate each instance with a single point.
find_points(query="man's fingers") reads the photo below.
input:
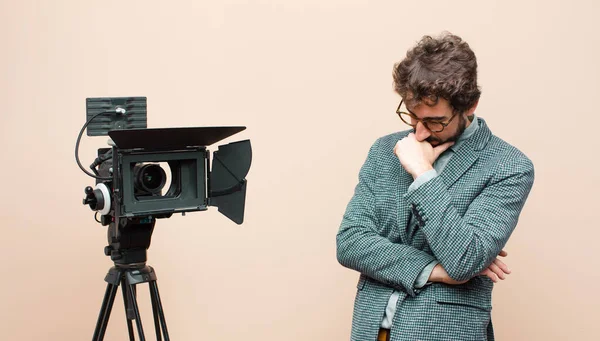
(397, 146)
(502, 266)
(438, 150)
(489, 273)
(503, 253)
(496, 269)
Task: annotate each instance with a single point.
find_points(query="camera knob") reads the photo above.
(90, 198)
(98, 198)
(115, 255)
(107, 250)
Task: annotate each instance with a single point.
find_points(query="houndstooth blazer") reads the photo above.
(464, 217)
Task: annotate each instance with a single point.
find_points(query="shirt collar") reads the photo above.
(466, 134)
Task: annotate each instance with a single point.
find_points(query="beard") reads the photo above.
(462, 125)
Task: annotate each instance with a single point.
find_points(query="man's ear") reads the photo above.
(471, 110)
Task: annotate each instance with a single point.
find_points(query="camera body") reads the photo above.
(140, 184)
(150, 174)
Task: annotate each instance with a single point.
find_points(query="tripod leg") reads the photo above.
(107, 303)
(155, 313)
(156, 298)
(136, 310)
(128, 311)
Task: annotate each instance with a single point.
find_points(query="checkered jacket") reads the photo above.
(464, 217)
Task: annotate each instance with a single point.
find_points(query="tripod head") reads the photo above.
(130, 246)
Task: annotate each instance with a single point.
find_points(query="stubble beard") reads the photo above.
(462, 125)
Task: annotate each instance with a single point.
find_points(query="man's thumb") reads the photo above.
(438, 150)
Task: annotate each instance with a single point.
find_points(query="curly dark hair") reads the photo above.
(443, 67)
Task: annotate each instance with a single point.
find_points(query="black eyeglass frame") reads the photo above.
(424, 121)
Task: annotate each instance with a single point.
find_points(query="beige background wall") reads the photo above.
(312, 82)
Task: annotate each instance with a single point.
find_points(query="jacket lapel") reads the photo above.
(466, 155)
(404, 180)
(463, 159)
(403, 209)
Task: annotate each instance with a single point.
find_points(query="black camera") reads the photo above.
(149, 174)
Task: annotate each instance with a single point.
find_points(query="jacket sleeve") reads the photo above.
(361, 248)
(466, 245)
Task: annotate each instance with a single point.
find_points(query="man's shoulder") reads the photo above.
(382, 150)
(507, 156)
(389, 141)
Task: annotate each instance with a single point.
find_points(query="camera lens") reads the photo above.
(149, 178)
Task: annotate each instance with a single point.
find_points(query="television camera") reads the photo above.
(149, 174)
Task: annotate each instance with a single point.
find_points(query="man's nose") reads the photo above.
(421, 133)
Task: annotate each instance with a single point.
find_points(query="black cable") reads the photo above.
(99, 160)
(77, 147)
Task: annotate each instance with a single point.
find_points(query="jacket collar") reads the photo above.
(467, 154)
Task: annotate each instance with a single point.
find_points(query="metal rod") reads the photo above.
(138, 319)
(161, 313)
(107, 303)
(126, 300)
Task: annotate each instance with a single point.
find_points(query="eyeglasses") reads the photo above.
(412, 120)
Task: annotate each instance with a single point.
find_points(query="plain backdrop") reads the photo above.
(311, 81)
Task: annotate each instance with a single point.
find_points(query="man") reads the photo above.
(433, 208)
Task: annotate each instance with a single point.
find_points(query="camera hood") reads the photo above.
(170, 138)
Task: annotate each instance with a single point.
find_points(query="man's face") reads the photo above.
(440, 112)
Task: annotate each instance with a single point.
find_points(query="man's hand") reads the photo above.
(439, 274)
(417, 157)
(497, 270)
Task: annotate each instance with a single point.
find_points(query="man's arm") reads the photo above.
(434, 272)
(466, 246)
(496, 271)
(361, 248)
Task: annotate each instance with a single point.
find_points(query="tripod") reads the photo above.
(128, 276)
